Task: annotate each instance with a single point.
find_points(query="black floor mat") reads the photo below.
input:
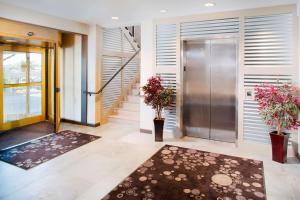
(24, 134)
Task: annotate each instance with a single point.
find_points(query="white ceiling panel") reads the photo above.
(134, 11)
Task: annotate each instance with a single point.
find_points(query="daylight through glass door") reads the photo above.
(23, 86)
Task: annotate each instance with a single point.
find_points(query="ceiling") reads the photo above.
(12, 41)
(134, 11)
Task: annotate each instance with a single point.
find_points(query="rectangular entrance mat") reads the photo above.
(36, 152)
(176, 173)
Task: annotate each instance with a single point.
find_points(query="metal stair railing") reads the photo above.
(115, 74)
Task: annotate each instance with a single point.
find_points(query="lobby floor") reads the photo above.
(93, 170)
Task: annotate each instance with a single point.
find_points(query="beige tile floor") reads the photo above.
(91, 171)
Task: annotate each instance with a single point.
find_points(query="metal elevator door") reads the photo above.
(209, 102)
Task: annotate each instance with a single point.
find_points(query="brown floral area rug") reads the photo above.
(36, 152)
(176, 173)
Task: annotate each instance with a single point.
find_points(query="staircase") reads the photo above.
(120, 93)
(129, 110)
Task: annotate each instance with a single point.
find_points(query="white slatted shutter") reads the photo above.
(268, 46)
(112, 39)
(127, 47)
(113, 90)
(268, 41)
(169, 80)
(166, 45)
(115, 40)
(209, 28)
(130, 72)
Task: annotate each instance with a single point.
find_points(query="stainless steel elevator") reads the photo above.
(209, 94)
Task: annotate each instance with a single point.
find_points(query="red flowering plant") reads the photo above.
(157, 96)
(278, 106)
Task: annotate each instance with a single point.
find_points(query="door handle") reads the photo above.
(57, 90)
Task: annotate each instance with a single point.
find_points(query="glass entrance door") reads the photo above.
(23, 86)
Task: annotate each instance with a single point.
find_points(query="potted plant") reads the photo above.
(279, 107)
(158, 97)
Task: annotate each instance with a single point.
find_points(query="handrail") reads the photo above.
(119, 70)
(8, 57)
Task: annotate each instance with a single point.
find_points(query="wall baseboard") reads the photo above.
(294, 147)
(145, 131)
(79, 123)
(298, 156)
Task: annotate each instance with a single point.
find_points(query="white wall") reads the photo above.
(71, 80)
(94, 72)
(36, 18)
(298, 13)
(147, 50)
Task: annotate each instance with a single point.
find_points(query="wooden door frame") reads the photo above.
(27, 120)
(56, 88)
(20, 30)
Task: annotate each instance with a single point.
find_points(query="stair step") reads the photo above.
(124, 119)
(133, 98)
(130, 106)
(128, 113)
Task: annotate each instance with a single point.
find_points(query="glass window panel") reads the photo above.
(14, 103)
(14, 67)
(35, 100)
(21, 102)
(35, 67)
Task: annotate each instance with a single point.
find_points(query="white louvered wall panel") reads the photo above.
(169, 80)
(130, 72)
(115, 40)
(254, 128)
(127, 47)
(112, 39)
(268, 40)
(209, 28)
(113, 89)
(166, 45)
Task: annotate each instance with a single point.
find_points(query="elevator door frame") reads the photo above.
(182, 80)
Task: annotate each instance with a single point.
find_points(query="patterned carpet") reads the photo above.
(176, 173)
(38, 151)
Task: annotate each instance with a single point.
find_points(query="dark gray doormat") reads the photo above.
(36, 152)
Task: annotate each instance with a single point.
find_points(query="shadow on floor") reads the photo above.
(23, 134)
(292, 160)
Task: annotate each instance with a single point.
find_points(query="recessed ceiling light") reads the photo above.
(114, 18)
(210, 4)
(163, 11)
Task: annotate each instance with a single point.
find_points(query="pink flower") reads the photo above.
(156, 95)
(278, 105)
(297, 101)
